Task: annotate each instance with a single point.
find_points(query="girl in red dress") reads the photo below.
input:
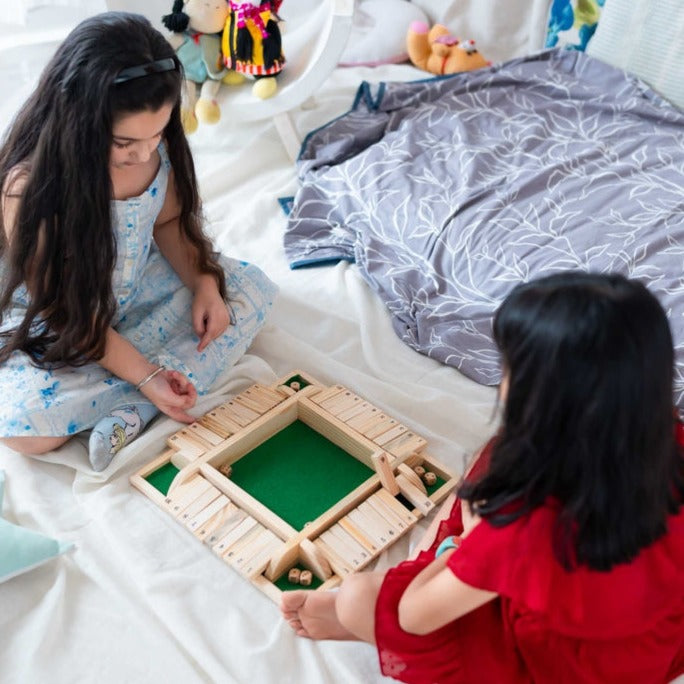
(564, 557)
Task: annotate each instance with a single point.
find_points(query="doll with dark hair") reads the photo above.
(114, 305)
(197, 27)
(252, 43)
(563, 560)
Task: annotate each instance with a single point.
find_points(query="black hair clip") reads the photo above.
(161, 65)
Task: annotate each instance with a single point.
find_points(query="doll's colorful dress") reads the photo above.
(153, 314)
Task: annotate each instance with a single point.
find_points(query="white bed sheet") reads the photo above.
(139, 600)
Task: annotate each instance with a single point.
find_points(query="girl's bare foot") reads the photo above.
(312, 614)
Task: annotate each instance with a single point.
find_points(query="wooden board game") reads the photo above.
(296, 482)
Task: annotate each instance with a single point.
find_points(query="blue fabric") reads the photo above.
(572, 23)
(22, 549)
(153, 314)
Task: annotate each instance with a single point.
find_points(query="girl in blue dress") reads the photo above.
(113, 304)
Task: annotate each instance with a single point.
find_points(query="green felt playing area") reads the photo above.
(162, 478)
(299, 474)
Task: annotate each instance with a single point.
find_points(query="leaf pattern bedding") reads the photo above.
(447, 192)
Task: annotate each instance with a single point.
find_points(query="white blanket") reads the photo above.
(138, 599)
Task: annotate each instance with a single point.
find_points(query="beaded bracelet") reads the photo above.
(154, 373)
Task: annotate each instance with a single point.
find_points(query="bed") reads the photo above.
(135, 599)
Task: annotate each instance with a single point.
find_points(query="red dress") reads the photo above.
(547, 625)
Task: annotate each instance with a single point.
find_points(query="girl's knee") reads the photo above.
(35, 446)
(355, 604)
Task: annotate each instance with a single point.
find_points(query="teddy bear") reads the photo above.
(252, 43)
(437, 51)
(197, 26)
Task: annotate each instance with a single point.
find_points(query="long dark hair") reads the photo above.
(60, 141)
(588, 419)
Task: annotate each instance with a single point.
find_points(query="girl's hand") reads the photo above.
(210, 316)
(172, 393)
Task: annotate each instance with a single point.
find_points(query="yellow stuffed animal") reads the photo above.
(438, 52)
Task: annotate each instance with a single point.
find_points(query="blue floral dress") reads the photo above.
(153, 314)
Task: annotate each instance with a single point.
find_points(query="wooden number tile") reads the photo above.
(397, 507)
(239, 544)
(385, 473)
(327, 394)
(217, 428)
(205, 434)
(390, 528)
(369, 414)
(232, 519)
(386, 504)
(418, 498)
(237, 413)
(196, 506)
(189, 447)
(222, 417)
(341, 402)
(337, 563)
(238, 557)
(358, 534)
(206, 529)
(266, 395)
(380, 428)
(182, 497)
(389, 435)
(354, 411)
(407, 443)
(195, 480)
(207, 512)
(377, 531)
(313, 558)
(412, 476)
(249, 400)
(259, 562)
(355, 552)
(236, 533)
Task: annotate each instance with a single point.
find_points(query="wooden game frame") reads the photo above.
(249, 536)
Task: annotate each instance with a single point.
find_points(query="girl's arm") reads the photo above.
(436, 597)
(210, 316)
(170, 391)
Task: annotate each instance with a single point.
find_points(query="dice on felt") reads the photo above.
(429, 478)
(305, 578)
(419, 470)
(294, 576)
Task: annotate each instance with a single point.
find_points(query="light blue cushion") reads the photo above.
(572, 23)
(22, 549)
(646, 39)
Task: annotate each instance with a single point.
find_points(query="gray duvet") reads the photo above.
(448, 192)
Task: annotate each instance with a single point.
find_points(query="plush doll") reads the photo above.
(252, 43)
(438, 52)
(197, 26)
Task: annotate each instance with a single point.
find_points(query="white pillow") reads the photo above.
(22, 549)
(645, 38)
(378, 33)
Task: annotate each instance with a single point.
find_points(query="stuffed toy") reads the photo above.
(197, 27)
(252, 44)
(438, 52)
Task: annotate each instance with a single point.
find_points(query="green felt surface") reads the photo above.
(162, 478)
(299, 474)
